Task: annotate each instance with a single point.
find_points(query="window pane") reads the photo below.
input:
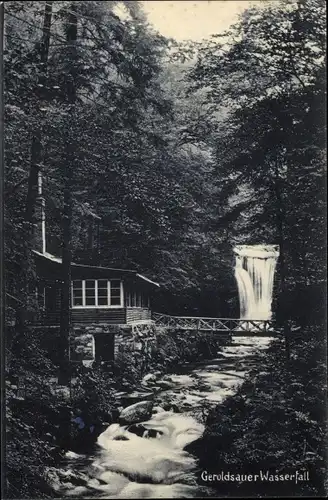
(115, 293)
(77, 292)
(102, 293)
(77, 284)
(89, 292)
(128, 300)
(90, 301)
(77, 301)
(90, 284)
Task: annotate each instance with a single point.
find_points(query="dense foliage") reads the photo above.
(275, 422)
(180, 159)
(269, 71)
(133, 165)
(33, 414)
(43, 421)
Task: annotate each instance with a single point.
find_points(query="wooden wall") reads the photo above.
(112, 316)
(119, 316)
(115, 316)
(52, 301)
(137, 314)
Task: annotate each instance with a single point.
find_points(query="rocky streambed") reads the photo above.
(142, 455)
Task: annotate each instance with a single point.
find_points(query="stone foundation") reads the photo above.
(111, 339)
(142, 339)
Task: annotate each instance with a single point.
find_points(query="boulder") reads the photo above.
(157, 409)
(156, 388)
(150, 378)
(175, 408)
(137, 429)
(153, 433)
(139, 412)
(120, 438)
(165, 384)
(141, 431)
(104, 425)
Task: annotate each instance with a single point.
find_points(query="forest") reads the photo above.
(182, 150)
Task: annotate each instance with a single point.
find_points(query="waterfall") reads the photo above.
(254, 271)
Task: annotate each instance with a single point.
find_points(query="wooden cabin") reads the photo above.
(98, 294)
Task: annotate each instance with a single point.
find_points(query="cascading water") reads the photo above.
(148, 459)
(254, 271)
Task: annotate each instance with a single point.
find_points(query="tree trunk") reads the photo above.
(2, 283)
(36, 149)
(28, 271)
(68, 169)
(64, 377)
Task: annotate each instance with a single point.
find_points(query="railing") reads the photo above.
(223, 325)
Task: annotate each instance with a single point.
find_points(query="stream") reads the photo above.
(147, 459)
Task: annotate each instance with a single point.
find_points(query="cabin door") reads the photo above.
(104, 344)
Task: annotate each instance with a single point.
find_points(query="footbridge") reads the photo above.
(231, 326)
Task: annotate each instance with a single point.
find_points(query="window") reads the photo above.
(77, 293)
(90, 292)
(145, 300)
(131, 299)
(136, 299)
(97, 293)
(115, 292)
(103, 293)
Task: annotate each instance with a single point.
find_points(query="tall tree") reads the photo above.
(269, 70)
(41, 54)
(67, 175)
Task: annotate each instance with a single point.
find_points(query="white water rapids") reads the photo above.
(254, 271)
(154, 465)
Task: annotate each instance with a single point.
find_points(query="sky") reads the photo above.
(193, 20)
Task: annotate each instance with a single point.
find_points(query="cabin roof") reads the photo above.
(52, 258)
